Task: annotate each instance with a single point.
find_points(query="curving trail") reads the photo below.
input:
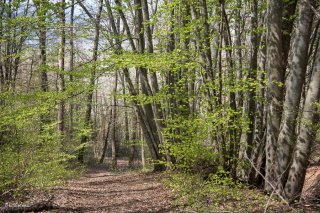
(102, 191)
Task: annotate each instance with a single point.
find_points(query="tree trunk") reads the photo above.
(306, 136)
(42, 12)
(143, 160)
(260, 124)
(71, 64)
(274, 91)
(105, 145)
(114, 125)
(61, 112)
(87, 119)
(297, 68)
(239, 94)
(253, 77)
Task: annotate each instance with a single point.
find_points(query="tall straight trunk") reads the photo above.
(87, 118)
(71, 65)
(62, 108)
(233, 134)
(8, 47)
(252, 76)
(206, 38)
(274, 91)
(126, 124)
(171, 77)
(306, 136)
(221, 136)
(114, 125)
(187, 74)
(143, 160)
(259, 127)
(105, 145)
(297, 68)
(42, 12)
(134, 140)
(239, 94)
(149, 44)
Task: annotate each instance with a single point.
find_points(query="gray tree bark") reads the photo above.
(306, 136)
(297, 69)
(274, 91)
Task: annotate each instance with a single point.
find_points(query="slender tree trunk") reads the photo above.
(126, 126)
(143, 160)
(105, 145)
(42, 12)
(275, 91)
(238, 24)
(252, 76)
(114, 125)
(260, 124)
(62, 108)
(233, 147)
(133, 141)
(71, 68)
(87, 119)
(149, 47)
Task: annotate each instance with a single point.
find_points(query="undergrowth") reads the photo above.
(218, 193)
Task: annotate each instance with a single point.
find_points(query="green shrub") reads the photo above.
(32, 160)
(218, 193)
(32, 153)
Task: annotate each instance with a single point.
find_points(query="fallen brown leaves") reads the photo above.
(102, 191)
(99, 190)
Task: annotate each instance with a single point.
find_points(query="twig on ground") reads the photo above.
(272, 186)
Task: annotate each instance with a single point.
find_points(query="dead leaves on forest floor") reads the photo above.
(102, 191)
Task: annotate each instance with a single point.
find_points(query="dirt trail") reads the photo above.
(101, 191)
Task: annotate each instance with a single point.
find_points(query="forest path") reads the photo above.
(101, 191)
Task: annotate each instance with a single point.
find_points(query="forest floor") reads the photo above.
(100, 190)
